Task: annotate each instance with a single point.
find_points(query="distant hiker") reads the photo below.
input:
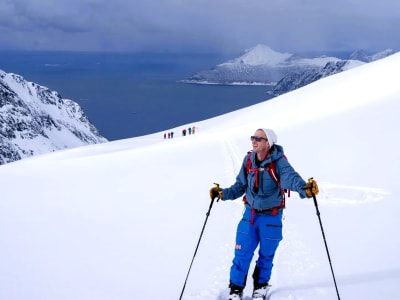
(172, 134)
(193, 130)
(165, 135)
(264, 175)
(184, 132)
(190, 130)
(169, 134)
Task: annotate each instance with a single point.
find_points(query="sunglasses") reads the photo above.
(257, 138)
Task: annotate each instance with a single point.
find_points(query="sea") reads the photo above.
(126, 95)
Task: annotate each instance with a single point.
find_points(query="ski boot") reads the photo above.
(260, 292)
(236, 292)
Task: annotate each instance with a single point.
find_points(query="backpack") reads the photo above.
(271, 169)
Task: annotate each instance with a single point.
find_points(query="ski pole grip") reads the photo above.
(311, 182)
(217, 185)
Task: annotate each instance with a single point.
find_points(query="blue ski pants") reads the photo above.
(265, 232)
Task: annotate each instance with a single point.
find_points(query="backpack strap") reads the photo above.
(271, 169)
(272, 173)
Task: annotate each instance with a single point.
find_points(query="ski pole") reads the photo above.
(323, 235)
(198, 243)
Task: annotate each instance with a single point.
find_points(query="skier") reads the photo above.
(264, 202)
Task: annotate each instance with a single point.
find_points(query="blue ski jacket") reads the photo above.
(268, 194)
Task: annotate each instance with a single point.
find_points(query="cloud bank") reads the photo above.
(199, 26)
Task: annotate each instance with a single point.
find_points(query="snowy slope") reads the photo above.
(121, 220)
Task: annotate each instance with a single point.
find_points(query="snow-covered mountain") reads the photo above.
(35, 120)
(296, 80)
(262, 65)
(299, 79)
(361, 55)
(259, 65)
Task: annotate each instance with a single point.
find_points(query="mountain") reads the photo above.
(362, 55)
(299, 79)
(122, 220)
(35, 120)
(286, 71)
(259, 65)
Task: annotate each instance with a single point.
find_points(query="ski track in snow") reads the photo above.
(233, 159)
(294, 261)
(217, 281)
(332, 193)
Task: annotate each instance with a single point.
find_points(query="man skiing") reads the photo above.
(264, 175)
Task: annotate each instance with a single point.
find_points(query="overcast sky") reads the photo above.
(199, 25)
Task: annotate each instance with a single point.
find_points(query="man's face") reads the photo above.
(260, 142)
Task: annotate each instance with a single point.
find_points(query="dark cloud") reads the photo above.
(199, 25)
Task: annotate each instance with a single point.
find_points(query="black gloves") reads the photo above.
(311, 188)
(216, 192)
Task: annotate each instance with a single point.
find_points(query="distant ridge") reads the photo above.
(299, 79)
(263, 65)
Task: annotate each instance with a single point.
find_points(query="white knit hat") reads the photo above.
(271, 136)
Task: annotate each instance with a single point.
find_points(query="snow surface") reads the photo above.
(352, 64)
(121, 220)
(317, 61)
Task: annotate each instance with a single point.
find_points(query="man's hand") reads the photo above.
(216, 192)
(311, 188)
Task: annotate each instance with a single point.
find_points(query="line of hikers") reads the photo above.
(190, 130)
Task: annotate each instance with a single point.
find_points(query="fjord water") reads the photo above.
(132, 94)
